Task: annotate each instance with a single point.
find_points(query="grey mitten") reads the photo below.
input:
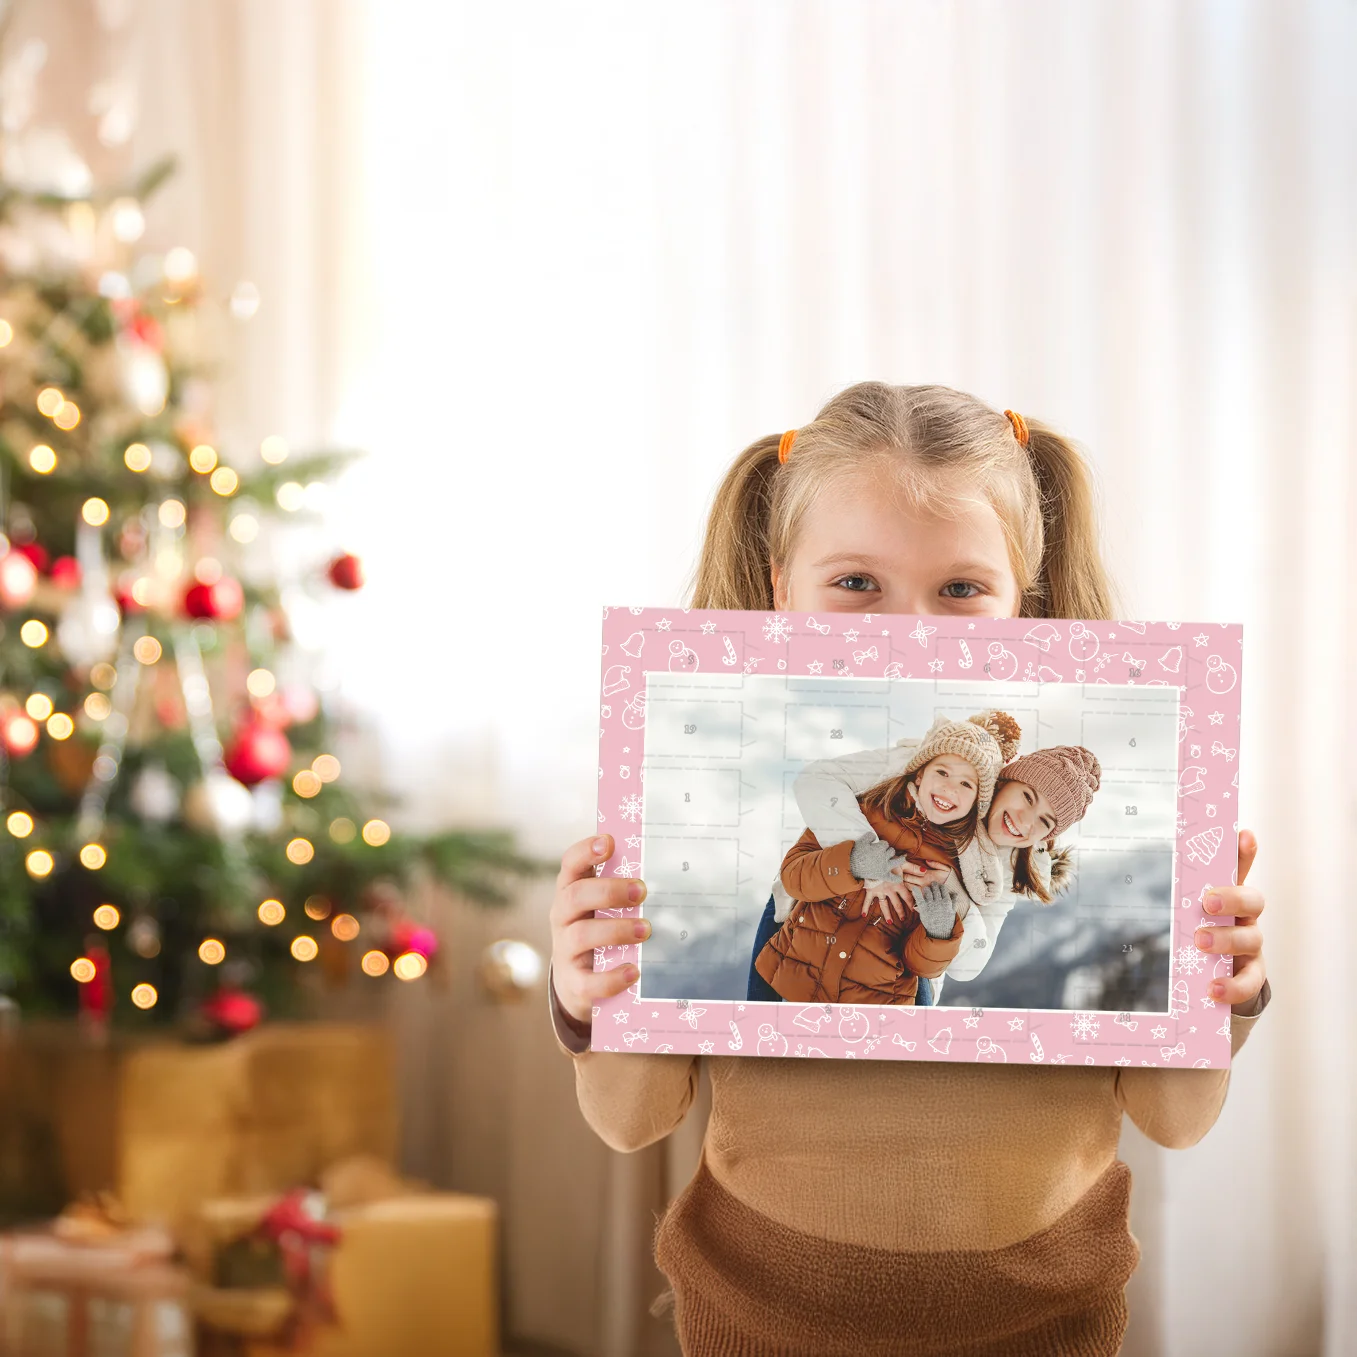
(937, 913)
(871, 859)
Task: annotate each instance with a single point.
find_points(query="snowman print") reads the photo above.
(634, 713)
(1220, 677)
(987, 1050)
(853, 1026)
(1002, 664)
(771, 1041)
(681, 659)
(1083, 643)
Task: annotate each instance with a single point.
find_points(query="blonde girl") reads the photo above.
(921, 1239)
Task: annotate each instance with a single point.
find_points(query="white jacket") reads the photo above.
(826, 795)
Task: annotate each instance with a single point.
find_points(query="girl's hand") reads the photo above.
(890, 897)
(913, 875)
(575, 932)
(1242, 940)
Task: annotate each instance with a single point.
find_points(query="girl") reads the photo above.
(834, 947)
(924, 1238)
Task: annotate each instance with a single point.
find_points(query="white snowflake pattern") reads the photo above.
(1084, 1027)
(630, 808)
(1189, 961)
(776, 628)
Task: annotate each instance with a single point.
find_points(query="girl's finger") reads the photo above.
(1244, 902)
(1237, 942)
(1248, 850)
(581, 898)
(580, 859)
(1243, 985)
(579, 939)
(604, 984)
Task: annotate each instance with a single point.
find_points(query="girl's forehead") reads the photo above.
(950, 761)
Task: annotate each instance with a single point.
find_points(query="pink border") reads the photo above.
(1202, 660)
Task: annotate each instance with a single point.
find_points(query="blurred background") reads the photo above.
(550, 267)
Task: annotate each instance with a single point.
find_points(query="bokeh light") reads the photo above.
(271, 912)
(39, 706)
(273, 449)
(306, 783)
(50, 400)
(290, 496)
(106, 917)
(203, 458)
(33, 633)
(375, 963)
(83, 970)
(42, 459)
(144, 995)
(409, 966)
(325, 767)
(260, 683)
(138, 457)
(305, 947)
(19, 823)
(343, 830)
(224, 481)
(39, 863)
(60, 726)
(146, 649)
(97, 707)
(172, 513)
(345, 927)
(103, 675)
(212, 951)
(376, 833)
(93, 856)
(300, 851)
(317, 907)
(94, 511)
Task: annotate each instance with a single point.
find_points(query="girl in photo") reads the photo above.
(923, 1239)
(838, 947)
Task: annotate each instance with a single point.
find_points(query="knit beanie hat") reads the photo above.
(987, 741)
(1067, 775)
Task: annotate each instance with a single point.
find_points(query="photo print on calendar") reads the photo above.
(930, 838)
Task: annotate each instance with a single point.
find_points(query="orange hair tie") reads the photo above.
(1019, 427)
(784, 446)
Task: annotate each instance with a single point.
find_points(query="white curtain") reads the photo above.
(554, 265)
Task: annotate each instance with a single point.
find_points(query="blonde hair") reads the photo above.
(934, 439)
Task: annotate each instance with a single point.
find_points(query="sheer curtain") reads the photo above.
(554, 265)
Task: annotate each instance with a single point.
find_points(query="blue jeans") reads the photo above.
(761, 991)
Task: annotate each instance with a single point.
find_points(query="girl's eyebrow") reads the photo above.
(847, 558)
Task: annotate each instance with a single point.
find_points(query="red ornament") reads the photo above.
(96, 995)
(218, 602)
(346, 572)
(37, 553)
(231, 1011)
(407, 936)
(258, 752)
(66, 572)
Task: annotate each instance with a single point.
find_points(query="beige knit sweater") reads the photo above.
(904, 1160)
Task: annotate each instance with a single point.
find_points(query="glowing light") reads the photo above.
(225, 481)
(304, 948)
(260, 683)
(68, 416)
(203, 458)
(317, 907)
(97, 707)
(21, 735)
(271, 912)
(409, 966)
(60, 726)
(39, 862)
(376, 833)
(6, 333)
(343, 830)
(50, 400)
(211, 951)
(128, 220)
(33, 634)
(138, 457)
(42, 459)
(173, 513)
(19, 823)
(208, 570)
(107, 917)
(143, 591)
(244, 528)
(306, 783)
(147, 649)
(244, 300)
(144, 995)
(300, 851)
(39, 706)
(345, 927)
(180, 265)
(83, 970)
(374, 963)
(93, 856)
(290, 496)
(103, 675)
(94, 511)
(325, 767)
(273, 449)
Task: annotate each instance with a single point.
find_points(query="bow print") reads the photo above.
(868, 654)
(639, 1035)
(1167, 1051)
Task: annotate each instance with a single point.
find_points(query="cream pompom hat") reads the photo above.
(987, 741)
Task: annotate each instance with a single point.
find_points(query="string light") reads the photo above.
(19, 823)
(260, 683)
(203, 458)
(67, 417)
(343, 830)
(374, 963)
(103, 675)
(60, 726)
(50, 400)
(300, 851)
(94, 511)
(144, 995)
(33, 633)
(271, 912)
(147, 649)
(224, 481)
(6, 333)
(39, 863)
(93, 856)
(317, 907)
(138, 457)
(107, 917)
(345, 927)
(172, 513)
(376, 833)
(83, 970)
(39, 706)
(42, 459)
(273, 450)
(305, 948)
(211, 951)
(325, 767)
(410, 966)
(98, 707)
(306, 783)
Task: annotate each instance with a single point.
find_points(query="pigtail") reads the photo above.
(1072, 580)
(733, 569)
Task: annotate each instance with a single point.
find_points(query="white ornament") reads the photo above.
(155, 794)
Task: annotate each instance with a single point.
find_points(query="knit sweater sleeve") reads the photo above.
(630, 1101)
(826, 790)
(1177, 1107)
(810, 872)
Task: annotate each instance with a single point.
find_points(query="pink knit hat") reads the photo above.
(1067, 775)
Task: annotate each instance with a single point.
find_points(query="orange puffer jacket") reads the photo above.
(829, 950)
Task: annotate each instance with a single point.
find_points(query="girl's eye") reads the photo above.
(858, 584)
(1028, 795)
(960, 589)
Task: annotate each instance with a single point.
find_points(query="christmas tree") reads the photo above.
(179, 835)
